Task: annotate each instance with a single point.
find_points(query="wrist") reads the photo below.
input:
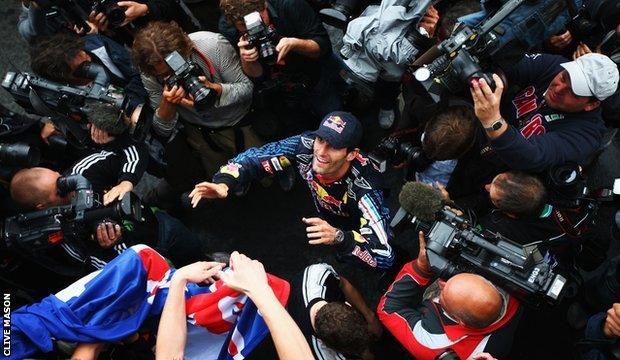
(488, 120)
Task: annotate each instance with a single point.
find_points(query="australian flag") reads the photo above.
(112, 304)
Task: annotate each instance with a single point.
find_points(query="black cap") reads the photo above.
(340, 129)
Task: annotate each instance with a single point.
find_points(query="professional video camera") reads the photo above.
(47, 98)
(454, 246)
(395, 150)
(63, 102)
(595, 24)
(261, 36)
(471, 50)
(32, 233)
(114, 13)
(340, 12)
(185, 74)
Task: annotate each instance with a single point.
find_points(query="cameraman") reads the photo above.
(303, 48)
(470, 314)
(216, 133)
(59, 57)
(36, 189)
(455, 144)
(556, 116)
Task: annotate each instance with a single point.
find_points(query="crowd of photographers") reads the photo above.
(494, 113)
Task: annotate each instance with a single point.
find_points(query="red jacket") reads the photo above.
(426, 331)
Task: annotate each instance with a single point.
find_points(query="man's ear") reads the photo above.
(591, 105)
(352, 154)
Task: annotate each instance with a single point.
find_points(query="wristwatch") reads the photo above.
(496, 125)
(339, 237)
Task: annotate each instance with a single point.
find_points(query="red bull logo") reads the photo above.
(335, 123)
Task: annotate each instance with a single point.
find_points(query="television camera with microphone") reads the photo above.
(454, 246)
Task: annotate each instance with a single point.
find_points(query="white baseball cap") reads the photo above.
(593, 75)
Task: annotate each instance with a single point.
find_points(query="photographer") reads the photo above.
(217, 132)
(556, 116)
(61, 57)
(469, 315)
(302, 45)
(332, 314)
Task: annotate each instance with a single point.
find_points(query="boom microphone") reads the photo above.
(421, 200)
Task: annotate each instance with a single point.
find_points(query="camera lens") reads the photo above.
(115, 14)
(203, 96)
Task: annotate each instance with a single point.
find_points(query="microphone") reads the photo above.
(421, 200)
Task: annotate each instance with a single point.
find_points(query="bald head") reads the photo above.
(35, 188)
(472, 300)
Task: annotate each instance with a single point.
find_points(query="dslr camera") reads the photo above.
(453, 246)
(185, 74)
(395, 150)
(261, 36)
(114, 13)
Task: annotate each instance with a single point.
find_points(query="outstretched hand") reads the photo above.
(200, 271)
(247, 276)
(208, 190)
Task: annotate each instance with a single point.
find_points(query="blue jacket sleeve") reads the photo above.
(541, 151)
(256, 163)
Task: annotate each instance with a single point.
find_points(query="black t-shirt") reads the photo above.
(291, 18)
(317, 282)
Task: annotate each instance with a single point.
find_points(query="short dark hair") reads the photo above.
(520, 194)
(50, 56)
(157, 40)
(450, 133)
(105, 117)
(342, 328)
(235, 10)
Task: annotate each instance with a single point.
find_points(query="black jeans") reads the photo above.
(176, 242)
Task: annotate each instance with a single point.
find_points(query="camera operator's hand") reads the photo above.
(117, 192)
(48, 130)
(422, 259)
(285, 45)
(430, 20)
(107, 234)
(247, 54)
(198, 272)
(99, 20)
(211, 85)
(581, 50)
(486, 101)
(319, 231)
(248, 276)
(611, 328)
(559, 42)
(209, 191)
(133, 10)
(99, 136)
(177, 96)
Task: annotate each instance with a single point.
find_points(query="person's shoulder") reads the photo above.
(365, 173)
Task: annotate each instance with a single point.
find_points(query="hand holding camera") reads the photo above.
(487, 101)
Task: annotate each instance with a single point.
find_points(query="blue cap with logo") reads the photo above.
(340, 129)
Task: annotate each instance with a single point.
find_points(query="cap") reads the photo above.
(593, 75)
(340, 129)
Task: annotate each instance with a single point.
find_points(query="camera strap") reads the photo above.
(206, 61)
